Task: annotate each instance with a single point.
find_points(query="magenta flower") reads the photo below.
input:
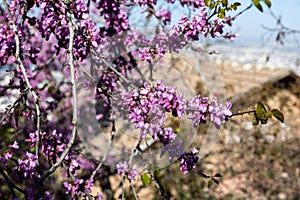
(28, 165)
(15, 145)
(219, 113)
(197, 108)
(188, 161)
(122, 168)
(133, 173)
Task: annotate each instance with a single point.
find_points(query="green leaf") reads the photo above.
(221, 13)
(212, 5)
(259, 7)
(261, 113)
(207, 2)
(210, 183)
(145, 179)
(157, 173)
(7, 129)
(255, 120)
(235, 5)
(256, 2)
(276, 113)
(225, 3)
(268, 2)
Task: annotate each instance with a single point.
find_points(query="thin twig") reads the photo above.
(242, 113)
(85, 72)
(20, 65)
(106, 152)
(135, 151)
(12, 184)
(103, 60)
(74, 95)
(9, 183)
(133, 191)
(9, 108)
(241, 12)
(114, 69)
(123, 188)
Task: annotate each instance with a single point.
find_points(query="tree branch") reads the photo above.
(9, 183)
(74, 94)
(20, 65)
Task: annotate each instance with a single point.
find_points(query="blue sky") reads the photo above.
(249, 23)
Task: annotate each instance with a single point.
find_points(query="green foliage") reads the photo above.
(145, 179)
(268, 3)
(211, 179)
(259, 6)
(6, 129)
(221, 13)
(220, 7)
(210, 183)
(276, 113)
(235, 5)
(262, 115)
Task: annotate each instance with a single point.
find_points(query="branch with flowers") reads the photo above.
(55, 47)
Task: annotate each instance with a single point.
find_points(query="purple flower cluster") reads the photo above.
(230, 36)
(16, 8)
(199, 24)
(147, 107)
(28, 165)
(107, 83)
(168, 135)
(80, 10)
(53, 144)
(188, 161)
(146, 53)
(91, 33)
(89, 37)
(164, 15)
(192, 28)
(52, 22)
(44, 40)
(218, 28)
(116, 18)
(7, 43)
(219, 113)
(105, 106)
(33, 54)
(75, 165)
(123, 169)
(161, 43)
(197, 110)
(150, 3)
(194, 3)
(73, 187)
